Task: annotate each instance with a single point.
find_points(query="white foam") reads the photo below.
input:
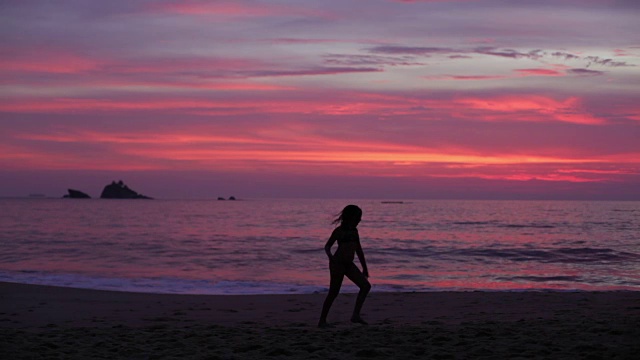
(157, 285)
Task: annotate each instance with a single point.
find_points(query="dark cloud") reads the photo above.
(360, 60)
(585, 72)
(510, 53)
(596, 60)
(539, 54)
(564, 55)
(457, 53)
(536, 54)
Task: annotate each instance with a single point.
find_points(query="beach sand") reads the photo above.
(40, 322)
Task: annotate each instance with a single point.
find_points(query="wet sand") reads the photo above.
(53, 322)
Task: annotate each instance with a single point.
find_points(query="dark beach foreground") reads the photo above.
(52, 322)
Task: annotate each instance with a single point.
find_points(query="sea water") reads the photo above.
(260, 246)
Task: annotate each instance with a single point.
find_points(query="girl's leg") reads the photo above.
(337, 275)
(354, 274)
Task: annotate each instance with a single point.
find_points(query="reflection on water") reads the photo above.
(276, 245)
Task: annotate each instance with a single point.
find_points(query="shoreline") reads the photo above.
(79, 323)
(241, 288)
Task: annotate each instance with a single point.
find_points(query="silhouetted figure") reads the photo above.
(341, 262)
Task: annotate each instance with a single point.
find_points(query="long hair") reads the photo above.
(349, 214)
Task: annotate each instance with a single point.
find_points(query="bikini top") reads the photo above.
(349, 235)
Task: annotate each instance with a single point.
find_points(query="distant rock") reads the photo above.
(76, 194)
(118, 190)
(230, 198)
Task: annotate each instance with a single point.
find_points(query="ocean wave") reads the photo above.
(157, 285)
(522, 226)
(541, 279)
(209, 248)
(474, 222)
(550, 255)
(498, 224)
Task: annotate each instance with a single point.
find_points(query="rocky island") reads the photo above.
(118, 190)
(76, 194)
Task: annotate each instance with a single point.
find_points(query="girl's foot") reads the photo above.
(358, 320)
(324, 325)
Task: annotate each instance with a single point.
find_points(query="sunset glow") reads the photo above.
(448, 98)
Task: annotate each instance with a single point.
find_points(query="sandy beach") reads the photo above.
(54, 322)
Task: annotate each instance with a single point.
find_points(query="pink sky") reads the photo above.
(377, 99)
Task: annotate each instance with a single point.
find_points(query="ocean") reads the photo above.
(275, 246)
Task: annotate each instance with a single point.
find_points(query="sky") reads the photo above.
(403, 99)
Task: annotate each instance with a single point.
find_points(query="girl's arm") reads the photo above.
(329, 244)
(363, 262)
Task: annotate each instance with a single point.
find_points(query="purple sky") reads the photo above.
(378, 99)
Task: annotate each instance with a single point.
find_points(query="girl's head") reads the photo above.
(350, 216)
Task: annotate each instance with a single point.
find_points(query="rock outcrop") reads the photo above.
(118, 190)
(76, 194)
(230, 198)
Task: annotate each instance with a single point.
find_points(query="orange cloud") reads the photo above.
(635, 116)
(533, 108)
(274, 146)
(204, 85)
(539, 72)
(557, 70)
(202, 107)
(601, 171)
(521, 108)
(296, 149)
(468, 77)
(179, 64)
(57, 63)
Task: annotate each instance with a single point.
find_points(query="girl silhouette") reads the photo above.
(341, 262)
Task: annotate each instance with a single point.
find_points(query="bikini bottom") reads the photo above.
(341, 266)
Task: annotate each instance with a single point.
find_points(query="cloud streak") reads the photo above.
(465, 53)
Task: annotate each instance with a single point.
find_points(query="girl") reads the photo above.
(341, 262)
